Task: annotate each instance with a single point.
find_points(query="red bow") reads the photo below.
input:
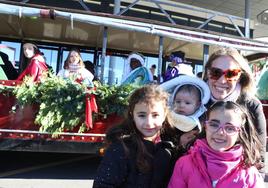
(91, 106)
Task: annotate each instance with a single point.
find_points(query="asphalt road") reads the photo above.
(43, 170)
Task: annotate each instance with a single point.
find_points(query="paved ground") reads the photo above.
(45, 183)
(62, 183)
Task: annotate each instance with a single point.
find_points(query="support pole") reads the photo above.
(205, 55)
(59, 59)
(247, 18)
(82, 3)
(111, 75)
(160, 58)
(103, 53)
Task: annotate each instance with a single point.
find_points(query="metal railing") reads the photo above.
(212, 14)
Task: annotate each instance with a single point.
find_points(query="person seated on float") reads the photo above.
(152, 69)
(89, 65)
(9, 71)
(177, 65)
(262, 89)
(34, 63)
(135, 72)
(74, 68)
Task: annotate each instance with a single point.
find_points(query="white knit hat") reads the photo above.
(172, 87)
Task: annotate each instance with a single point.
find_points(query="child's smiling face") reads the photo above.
(149, 118)
(220, 140)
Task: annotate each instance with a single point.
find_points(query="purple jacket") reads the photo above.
(207, 168)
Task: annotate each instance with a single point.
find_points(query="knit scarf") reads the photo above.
(218, 163)
(74, 68)
(233, 96)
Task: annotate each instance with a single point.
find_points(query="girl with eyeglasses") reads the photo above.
(228, 156)
(230, 79)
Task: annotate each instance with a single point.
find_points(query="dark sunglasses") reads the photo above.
(229, 74)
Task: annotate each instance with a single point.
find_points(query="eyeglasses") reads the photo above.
(229, 74)
(214, 127)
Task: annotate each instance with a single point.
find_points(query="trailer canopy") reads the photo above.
(82, 28)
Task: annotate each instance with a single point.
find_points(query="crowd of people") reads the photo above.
(188, 131)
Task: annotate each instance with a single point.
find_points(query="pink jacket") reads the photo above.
(204, 167)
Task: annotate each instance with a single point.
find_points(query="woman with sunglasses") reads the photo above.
(227, 156)
(230, 79)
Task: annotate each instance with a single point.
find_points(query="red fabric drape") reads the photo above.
(91, 106)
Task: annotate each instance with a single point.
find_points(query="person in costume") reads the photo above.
(177, 66)
(135, 72)
(34, 64)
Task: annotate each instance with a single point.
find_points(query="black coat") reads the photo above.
(118, 169)
(8, 68)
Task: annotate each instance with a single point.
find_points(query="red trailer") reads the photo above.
(100, 36)
(18, 132)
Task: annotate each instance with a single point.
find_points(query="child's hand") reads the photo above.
(187, 137)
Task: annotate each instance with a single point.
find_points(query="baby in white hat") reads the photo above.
(189, 95)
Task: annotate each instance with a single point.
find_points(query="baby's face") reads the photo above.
(185, 103)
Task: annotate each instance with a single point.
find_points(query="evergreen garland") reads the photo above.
(62, 101)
